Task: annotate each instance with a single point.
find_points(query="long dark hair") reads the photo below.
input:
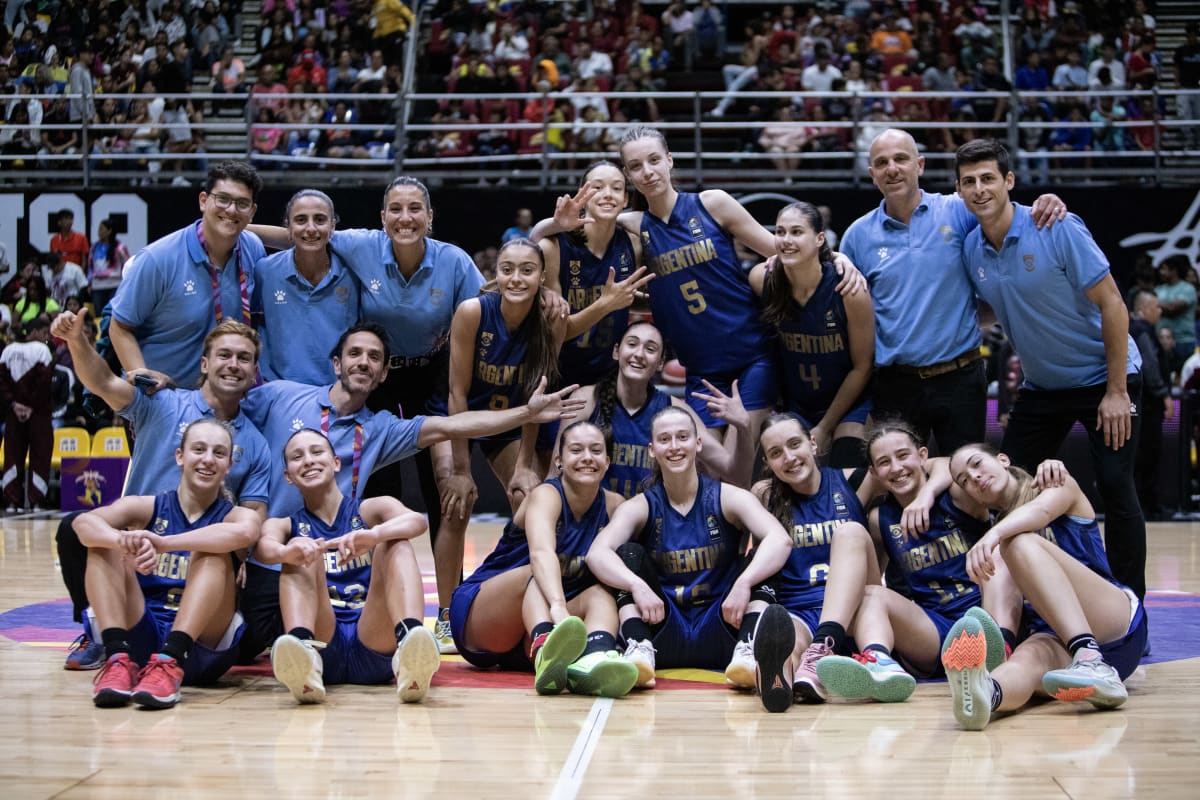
(606, 389)
(780, 496)
(541, 355)
(777, 289)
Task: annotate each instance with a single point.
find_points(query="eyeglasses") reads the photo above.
(222, 200)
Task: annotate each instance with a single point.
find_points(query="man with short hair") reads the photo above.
(67, 242)
(1055, 297)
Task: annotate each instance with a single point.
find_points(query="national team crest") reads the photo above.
(304, 529)
(982, 274)
(1028, 259)
(238, 452)
(485, 339)
(947, 233)
(896, 533)
(435, 296)
(575, 266)
(160, 526)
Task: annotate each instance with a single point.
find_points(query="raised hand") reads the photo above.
(545, 407)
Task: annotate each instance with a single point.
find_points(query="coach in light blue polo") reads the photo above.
(160, 420)
(1057, 301)
(167, 302)
(301, 322)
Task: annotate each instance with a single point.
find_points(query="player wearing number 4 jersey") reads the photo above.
(160, 578)
(350, 589)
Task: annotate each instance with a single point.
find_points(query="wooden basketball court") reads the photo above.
(488, 735)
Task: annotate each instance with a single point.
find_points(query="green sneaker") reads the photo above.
(603, 674)
(996, 653)
(564, 644)
(870, 675)
(965, 657)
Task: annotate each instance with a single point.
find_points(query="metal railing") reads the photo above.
(707, 151)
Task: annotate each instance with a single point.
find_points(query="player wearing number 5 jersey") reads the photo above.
(160, 578)
(349, 580)
(826, 342)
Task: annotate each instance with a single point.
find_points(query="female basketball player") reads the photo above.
(624, 402)
(934, 564)
(501, 345)
(349, 584)
(160, 577)
(536, 587)
(674, 552)
(1086, 631)
(826, 342)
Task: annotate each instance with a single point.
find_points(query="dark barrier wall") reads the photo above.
(1126, 222)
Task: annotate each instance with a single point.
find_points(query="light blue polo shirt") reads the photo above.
(158, 423)
(925, 311)
(280, 408)
(1036, 284)
(166, 296)
(301, 323)
(416, 312)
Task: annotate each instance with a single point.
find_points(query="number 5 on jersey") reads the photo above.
(691, 295)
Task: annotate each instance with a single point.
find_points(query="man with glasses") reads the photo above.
(182, 286)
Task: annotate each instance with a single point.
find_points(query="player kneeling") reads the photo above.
(160, 576)
(350, 589)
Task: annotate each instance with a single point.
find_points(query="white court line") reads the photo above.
(571, 777)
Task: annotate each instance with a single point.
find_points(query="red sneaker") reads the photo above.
(113, 685)
(159, 682)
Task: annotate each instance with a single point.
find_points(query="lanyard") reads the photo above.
(216, 281)
(358, 445)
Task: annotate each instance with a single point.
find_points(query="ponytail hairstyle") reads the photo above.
(882, 427)
(225, 491)
(542, 356)
(606, 388)
(579, 235)
(317, 193)
(636, 133)
(777, 289)
(780, 496)
(1026, 488)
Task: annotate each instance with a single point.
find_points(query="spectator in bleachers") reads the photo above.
(307, 69)
(26, 370)
(343, 75)
(1071, 75)
(63, 277)
(604, 38)
(511, 44)
(177, 72)
(183, 126)
(1107, 136)
(6, 82)
(474, 75)
(1032, 76)
(1157, 404)
(144, 135)
(68, 242)
(590, 62)
(820, 75)
(304, 111)
(59, 138)
(552, 52)
(209, 39)
(341, 142)
(891, 37)
(679, 27)
(1143, 64)
(35, 301)
(990, 79)
(1187, 75)
(266, 137)
(710, 30)
(1074, 138)
(16, 140)
(390, 22)
(1116, 69)
(1033, 168)
(122, 78)
(638, 19)
(267, 92)
(783, 142)
(1144, 134)
(647, 50)
(171, 23)
(1178, 300)
(80, 82)
(105, 262)
(229, 73)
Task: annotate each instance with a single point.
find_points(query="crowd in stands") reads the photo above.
(1073, 49)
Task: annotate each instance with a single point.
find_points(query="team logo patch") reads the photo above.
(160, 526)
(304, 529)
(238, 452)
(280, 296)
(575, 266)
(830, 320)
(189, 288)
(624, 262)
(882, 253)
(375, 285)
(982, 274)
(1028, 259)
(356, 523)
(947, 233)
(297, 424)
(182, 428)
(435, 296)
(896, 533)
(695, 227)
(714, 530)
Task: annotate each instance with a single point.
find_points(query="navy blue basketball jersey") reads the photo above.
(700, 296)
(348, 584)
(935, 562)
(1080, 539)
(814, 520)
(499, 359)
(697, 553)
(814, 349)
(163, 587)
(587, 357)
(631, 464)
(573, 537)
(511, 551)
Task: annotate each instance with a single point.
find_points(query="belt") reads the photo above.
(401, 362)
(933, 370)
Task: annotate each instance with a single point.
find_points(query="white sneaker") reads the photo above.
(443, 634)
(1089, 678)
(299, 667)
(641, 653)
(414, 663)
(740, 672)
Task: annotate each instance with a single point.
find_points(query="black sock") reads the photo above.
(178, 646)
(600, 642)
(402, 628)
(303, 634)
(997, 694)
(831, 630)
(1010, 640)
(1081, 641)
(878, 648)
(749, 623)
(115, 641)
(635, 628)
